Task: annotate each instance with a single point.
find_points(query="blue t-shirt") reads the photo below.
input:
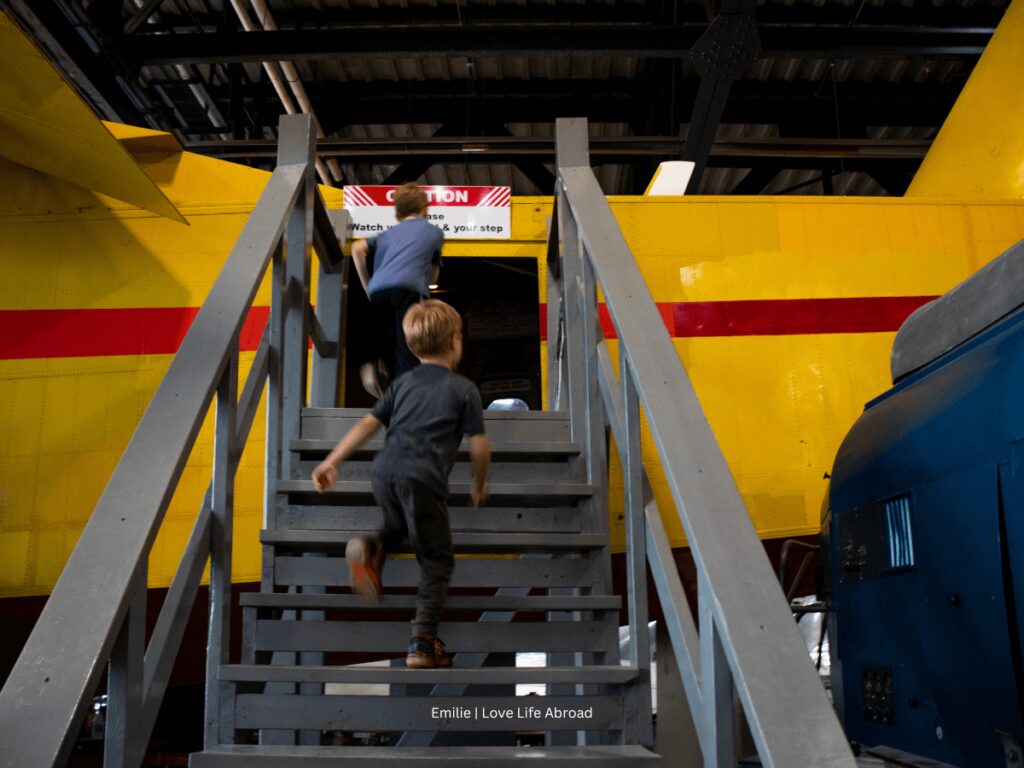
(405, 256)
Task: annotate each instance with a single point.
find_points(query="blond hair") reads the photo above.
(410, 200)
(430, 328)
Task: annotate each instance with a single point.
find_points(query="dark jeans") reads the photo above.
(389, 308)
(413, 511)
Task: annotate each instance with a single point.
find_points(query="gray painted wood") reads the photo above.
(124, 740)
(516, 603)
(482, 519)
(500, 450)
(492, 543)
(459, 491)
(676, 740)
(217, 729)
(453, 676)
(490, 417)
(469, 572)
(537, 427)
(478, 713)
(393, 636)
(417, 757)
(501, 472)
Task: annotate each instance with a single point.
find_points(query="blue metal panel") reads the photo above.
(926, 557)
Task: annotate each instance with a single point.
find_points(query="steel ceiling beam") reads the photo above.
(468, 148)
(616, 100)
(544, 40)
(951, 17)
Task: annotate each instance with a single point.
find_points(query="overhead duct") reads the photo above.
(266, 22)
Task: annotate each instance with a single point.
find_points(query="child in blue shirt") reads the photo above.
(406, 261)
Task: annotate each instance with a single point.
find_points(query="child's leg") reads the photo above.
(430, 537)
(393, 530)
(384, 334)
(365, 557)
(402, 358)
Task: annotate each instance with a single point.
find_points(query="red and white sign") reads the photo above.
(462, 213)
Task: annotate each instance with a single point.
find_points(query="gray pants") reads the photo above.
(413, 511)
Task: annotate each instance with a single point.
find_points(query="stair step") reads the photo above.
(510, 451)
(469, 572)
(501, 426)
(459, 492)
(388, 637)
(546, 472)
(482, 519)
(522, 604)
(462, 542)
(258, 673)
(242, 756)
(258, 711)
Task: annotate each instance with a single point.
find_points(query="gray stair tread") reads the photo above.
(463, 542)
(537, 603)
(385, 637)
(498, 449)
(501, 426)
(349, 413)
(404, 676)
(432, 757)
(358, 712)
(523, 571)
(363, 517)
(497, 490)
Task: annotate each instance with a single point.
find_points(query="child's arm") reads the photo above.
(480, 455)
(360, 250)
(327, 472)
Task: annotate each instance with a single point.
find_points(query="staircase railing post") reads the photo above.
(297, 145)
(717, 721)
(124, 742)
(636, 554)
(596, 452)
(555, 320)
(272, 457)
(331, 297)
(219, 724)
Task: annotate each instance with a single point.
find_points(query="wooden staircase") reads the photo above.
(535, 577)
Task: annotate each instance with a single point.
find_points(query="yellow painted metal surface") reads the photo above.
(779, 404)
(64, 421)
(979, 151)
(46, 126)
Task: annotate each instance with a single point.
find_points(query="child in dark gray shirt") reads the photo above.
(426, 412)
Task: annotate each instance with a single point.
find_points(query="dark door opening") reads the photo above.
(500, 310)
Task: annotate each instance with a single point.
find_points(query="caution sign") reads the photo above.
(462, 213)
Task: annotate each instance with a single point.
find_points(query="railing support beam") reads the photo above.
(219, 728)
(636, 556)
(124, 743)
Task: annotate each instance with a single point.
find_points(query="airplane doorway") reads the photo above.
(499, 303)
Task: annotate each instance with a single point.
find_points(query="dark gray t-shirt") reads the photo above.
(426, 412)
(405, 256)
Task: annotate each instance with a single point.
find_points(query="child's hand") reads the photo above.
(478, 495)
(324, 476)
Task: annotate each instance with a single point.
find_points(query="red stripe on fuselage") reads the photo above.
(776, 317)
(43, 333)
(39, 333)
